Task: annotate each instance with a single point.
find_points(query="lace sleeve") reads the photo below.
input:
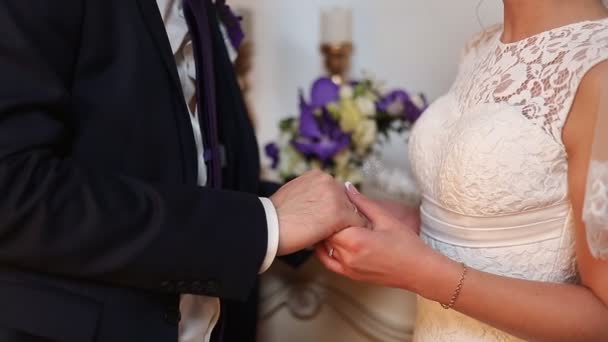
(595, 211)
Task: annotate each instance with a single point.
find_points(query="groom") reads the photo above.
(129, 175)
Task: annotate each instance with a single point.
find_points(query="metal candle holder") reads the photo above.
(337, 60)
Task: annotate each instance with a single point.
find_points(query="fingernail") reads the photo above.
(350, 187)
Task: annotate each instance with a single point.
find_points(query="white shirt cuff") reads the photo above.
(272, 220)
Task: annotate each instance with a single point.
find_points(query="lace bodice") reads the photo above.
(537, 76)
(490, 162)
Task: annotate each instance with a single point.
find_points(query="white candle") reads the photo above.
(336, 26)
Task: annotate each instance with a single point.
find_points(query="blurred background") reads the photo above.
(412, 44)
(405, 44)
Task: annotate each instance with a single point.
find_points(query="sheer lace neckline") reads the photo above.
(546, 32)
(537, 76)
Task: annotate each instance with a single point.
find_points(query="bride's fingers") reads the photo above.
(370, 209)
(332, 263)
(355, 217)
(351, 239)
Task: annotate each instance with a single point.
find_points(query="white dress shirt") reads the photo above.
(199, 313)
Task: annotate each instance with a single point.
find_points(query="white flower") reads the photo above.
(292, 162)
(345, 170)
(346, 92)
(349, 174)
(366, 106)
(350, 115)
(365, 136)
(341, 159)
(396, 108)
(418, 101)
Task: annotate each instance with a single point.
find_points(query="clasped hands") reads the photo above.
(371, 241)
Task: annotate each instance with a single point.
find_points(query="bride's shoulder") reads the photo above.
(482, 38)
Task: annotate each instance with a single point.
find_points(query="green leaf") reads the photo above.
(287, 125)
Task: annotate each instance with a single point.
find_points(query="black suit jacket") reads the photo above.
(102, 225)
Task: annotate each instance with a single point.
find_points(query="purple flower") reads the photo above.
(272, 151)
(320, 137)
(412, 111)
(308, 124)
(399, 103)
(323, 92)
(394, 102)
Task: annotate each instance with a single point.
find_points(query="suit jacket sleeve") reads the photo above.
(294, 260)
(268, 189)
(62, 218)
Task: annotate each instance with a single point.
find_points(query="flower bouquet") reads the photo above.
(338, 128)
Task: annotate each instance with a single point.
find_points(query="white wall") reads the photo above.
(407, 43)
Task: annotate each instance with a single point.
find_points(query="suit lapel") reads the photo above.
(154, 23)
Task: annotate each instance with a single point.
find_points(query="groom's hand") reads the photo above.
(390, 254)
(310, 209)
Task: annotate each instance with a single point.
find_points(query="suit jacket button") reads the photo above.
(167, 285)
(197, 286)
(181, 286)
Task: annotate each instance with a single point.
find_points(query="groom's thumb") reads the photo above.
(372, 210)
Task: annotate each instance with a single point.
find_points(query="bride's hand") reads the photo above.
(409, 216)
(389, 254)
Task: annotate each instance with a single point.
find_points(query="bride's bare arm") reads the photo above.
(535, 311)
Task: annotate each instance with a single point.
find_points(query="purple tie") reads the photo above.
(232, 23)
(196, 15)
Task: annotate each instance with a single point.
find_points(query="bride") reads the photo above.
(505, 252)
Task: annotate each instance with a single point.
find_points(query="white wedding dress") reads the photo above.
(492, 167)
